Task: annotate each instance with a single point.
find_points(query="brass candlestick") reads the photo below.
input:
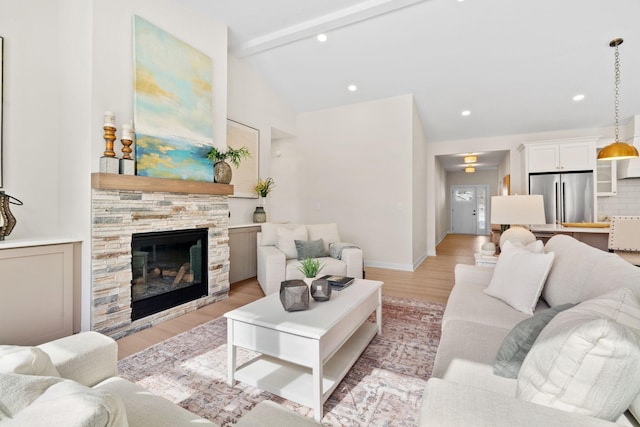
(109, 137)
(126, 148)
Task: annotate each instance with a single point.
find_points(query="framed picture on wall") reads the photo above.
(245, 177)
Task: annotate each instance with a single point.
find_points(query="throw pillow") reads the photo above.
(26, 360)
(518, 342)
(286, 240)
(310, 249)
(519, 276)
(536, 246)
(587, 359)
(269, 230)
(327, 232)
(46, 401)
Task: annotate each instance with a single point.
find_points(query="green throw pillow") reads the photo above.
(310, 249)
(517, 344)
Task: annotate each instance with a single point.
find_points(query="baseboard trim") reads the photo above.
(389, 266)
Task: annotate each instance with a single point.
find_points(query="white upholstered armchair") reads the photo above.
(281, 246)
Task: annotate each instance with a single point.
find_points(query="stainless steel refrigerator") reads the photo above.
(568, 197)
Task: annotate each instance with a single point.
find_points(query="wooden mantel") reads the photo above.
(110, 181)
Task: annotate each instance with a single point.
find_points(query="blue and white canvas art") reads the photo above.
(173, 105)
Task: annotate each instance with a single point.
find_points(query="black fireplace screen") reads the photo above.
(169, 268)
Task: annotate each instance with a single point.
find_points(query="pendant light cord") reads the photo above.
(617, 90)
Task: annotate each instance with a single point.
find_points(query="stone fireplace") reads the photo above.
(126, 205)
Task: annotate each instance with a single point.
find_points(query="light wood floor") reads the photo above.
(431, 281)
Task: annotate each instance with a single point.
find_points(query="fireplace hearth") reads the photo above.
(168, 269)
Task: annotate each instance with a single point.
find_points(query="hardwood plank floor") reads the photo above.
(431, 281)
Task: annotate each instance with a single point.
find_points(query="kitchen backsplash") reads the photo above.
(625, 202)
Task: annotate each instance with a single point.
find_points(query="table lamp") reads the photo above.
(517, 211)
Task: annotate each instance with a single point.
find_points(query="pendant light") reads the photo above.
(617, 150)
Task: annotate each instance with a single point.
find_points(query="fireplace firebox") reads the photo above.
(169, 268)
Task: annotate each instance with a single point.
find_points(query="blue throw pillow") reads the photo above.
(310, 249)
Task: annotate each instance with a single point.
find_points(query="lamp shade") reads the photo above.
(618, 151)
(517, 209)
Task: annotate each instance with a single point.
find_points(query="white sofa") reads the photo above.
(464, 390)
(73, 382)
(278, 257)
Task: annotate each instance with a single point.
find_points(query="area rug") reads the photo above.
(383, 388)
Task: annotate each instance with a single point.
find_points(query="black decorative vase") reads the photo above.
(259, 215)
(294, 295)
(321, 290)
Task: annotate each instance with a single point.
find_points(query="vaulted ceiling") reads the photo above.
(514, 64)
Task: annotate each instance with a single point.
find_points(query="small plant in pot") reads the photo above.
(264, 186)
(310, 267)
(221, 169)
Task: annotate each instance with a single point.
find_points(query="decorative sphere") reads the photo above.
(488, 248)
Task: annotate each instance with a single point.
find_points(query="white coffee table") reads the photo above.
(304, 354)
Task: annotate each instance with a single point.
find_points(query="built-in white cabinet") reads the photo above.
(39, 301)
(607, 178)
(243, 257)
(561, 156)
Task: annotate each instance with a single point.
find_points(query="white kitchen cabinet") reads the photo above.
(561, 156)
(607, 178)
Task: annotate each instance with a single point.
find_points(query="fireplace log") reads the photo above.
(183, 269)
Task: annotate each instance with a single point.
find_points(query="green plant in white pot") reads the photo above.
(310, 267)
(221, 170)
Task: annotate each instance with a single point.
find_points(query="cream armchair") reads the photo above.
(278, 254)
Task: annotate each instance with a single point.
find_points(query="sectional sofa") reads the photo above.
(74, 382)
(549, 337)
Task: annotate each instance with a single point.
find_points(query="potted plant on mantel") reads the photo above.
(221, 170)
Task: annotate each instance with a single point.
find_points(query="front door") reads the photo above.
(469, 209)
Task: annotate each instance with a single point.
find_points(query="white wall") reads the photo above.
(355, 170)
(440, 201)
(31, 109)
(419, 186)
(252, 102)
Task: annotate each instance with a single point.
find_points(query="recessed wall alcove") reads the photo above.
(123, 205)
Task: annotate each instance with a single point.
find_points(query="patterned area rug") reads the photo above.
(383, 388)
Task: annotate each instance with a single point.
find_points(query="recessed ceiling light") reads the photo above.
(470, 169)
(578, 97)
(470, 159)
(352, 88)
(321, 38)
(466, 113)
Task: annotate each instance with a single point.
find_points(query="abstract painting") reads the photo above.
(245, 177)
(173, 106)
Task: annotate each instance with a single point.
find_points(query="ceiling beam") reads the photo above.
(331, 21)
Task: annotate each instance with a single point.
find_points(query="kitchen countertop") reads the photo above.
(557, 228)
